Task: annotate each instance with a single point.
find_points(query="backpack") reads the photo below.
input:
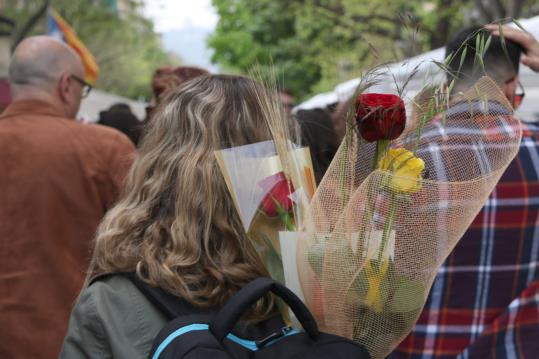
(197, 334)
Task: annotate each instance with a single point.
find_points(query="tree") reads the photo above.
(125, 45)
(264, 32)
(315, 44)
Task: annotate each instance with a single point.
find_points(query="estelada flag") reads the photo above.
(58, 28)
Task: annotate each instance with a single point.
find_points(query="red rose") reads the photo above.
(278, 194)
(380, 116)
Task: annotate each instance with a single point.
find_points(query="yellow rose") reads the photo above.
(405, 168)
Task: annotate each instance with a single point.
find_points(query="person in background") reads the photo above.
(287, 99)
(176, 225)
(318, 134)
(484, 302)
(338, 117)
(58, 177)
(167, 79)
(120, 117)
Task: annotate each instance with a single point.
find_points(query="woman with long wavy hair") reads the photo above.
(175, 225)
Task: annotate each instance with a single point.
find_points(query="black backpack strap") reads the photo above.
(171, 306)
(228, 316)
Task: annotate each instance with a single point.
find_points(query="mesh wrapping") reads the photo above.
(466, 147)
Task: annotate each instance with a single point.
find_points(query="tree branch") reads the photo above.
(499, 10)
(338, 15)
(339, 12)
(6, 25)
(514, 9)
(27, 27)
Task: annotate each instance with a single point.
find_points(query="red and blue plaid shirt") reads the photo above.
(484, 302)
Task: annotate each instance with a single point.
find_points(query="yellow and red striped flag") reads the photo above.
(58, 28)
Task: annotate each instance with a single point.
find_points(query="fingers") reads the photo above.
(525, 39)
(531, 62)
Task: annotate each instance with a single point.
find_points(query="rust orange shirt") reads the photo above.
(57, 179)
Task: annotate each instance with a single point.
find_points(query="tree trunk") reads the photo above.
(484, 11)
(5, 55)
(6, 29)
(514, 8)
(32, 21)
(442, 29)
(500, 11)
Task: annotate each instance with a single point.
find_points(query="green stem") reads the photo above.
(344, 161)
(287, 220)
(284, 216)
(387, 227)
(381, 150)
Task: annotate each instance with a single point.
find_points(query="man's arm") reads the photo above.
(524, 39)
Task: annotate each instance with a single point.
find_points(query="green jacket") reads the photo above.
(112, 319)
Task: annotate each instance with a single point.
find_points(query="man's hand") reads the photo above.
(524, 39)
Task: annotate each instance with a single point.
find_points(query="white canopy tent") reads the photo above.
(99, 101)
(529, 109)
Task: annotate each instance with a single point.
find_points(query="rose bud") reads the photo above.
(278, 195)
(380, 116)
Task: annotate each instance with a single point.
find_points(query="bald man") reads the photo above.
(57, 179)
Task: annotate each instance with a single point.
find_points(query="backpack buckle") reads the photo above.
(274, 336)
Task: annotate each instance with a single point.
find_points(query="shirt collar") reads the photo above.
(32, 107)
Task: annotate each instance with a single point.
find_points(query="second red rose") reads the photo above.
(279, 190)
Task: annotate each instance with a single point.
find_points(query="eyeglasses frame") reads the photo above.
(86, 87)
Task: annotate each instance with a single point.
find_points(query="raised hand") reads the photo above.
(525, 39)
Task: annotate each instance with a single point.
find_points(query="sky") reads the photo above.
(184, 26)
(171, 15)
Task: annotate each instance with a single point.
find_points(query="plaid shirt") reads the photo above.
(484, 302)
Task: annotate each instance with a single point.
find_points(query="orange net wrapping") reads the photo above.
(370, 252)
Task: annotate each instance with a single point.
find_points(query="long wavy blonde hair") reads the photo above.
(175, 224)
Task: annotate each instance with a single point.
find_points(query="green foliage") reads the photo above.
(262, 33)
(315, 44)
(125, 45)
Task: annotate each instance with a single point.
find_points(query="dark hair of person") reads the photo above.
(318, 134)
(120, 117)
(501, 58)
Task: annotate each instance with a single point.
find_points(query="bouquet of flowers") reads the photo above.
(271, 191)
(394, 203)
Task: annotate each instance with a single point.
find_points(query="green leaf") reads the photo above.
(408, 295)
(315, 257)
(463, 56)
(449, 58)
(273, 261)
(487, 44)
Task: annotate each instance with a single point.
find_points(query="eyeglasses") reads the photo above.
(519, 95)
(86, 87)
